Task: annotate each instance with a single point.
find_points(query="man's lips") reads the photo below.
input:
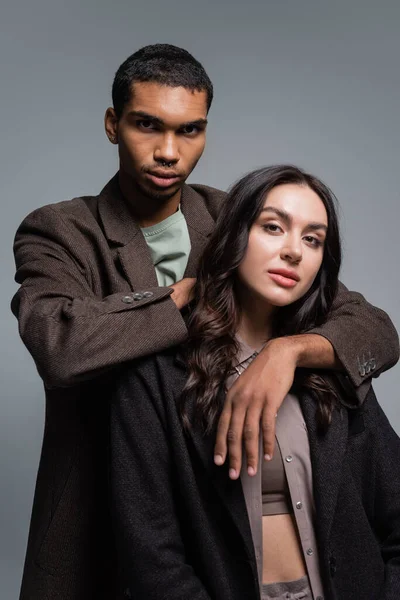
(163, 179)
(284, 278)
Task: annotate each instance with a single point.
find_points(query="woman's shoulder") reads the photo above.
(170, 357)
(156, 372)
(369, 416)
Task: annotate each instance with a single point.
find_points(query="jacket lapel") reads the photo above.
(123, 232)
(200, 226)
(230, 492)
(327, 454)
(136, 262)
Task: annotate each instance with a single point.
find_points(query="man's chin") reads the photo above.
(161, 194)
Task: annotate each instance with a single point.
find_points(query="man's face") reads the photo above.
(161, 136)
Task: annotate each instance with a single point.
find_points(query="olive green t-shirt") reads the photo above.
(169, 244)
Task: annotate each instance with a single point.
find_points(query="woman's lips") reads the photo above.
(286, 282)
(162, 181)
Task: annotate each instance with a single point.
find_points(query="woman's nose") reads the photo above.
(292, 252)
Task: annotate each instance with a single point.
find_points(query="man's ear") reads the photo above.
(111, 125)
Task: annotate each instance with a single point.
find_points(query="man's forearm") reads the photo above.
(312, 351)
(362, 335)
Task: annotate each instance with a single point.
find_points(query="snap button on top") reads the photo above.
(127, 299)
(299, 505)
(138, 296)
(147, 294)
(289, 458)
(310, 552)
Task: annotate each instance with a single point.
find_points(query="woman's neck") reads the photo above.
(255, 323)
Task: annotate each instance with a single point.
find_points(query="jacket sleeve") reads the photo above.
(363, 336)
(143, 480)
(72, 332)
(386, 476)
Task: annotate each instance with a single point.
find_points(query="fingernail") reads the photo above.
(218, 459)
(267, 456)
(232, 473)
(251, 471)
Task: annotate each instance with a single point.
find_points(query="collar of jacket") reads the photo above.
(122, 231)
(121, 228)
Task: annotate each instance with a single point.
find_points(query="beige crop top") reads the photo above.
(275, 491)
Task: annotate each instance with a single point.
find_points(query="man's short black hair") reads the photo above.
(161, 63)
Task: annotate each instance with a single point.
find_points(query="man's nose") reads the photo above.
(167, 149)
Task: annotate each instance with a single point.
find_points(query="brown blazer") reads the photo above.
(89, 301)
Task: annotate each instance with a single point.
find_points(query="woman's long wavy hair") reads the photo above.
(212, 347)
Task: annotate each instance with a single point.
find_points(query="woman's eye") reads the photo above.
(310, 239)
(271, 227)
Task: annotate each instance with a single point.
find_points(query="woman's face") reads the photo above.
(286, 246)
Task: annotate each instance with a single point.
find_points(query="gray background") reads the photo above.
(313, 83)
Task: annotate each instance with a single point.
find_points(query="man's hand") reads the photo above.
(256, 396)
(183, 291)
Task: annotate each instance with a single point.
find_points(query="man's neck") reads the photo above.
(146, 210)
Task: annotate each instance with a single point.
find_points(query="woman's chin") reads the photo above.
(281, 299)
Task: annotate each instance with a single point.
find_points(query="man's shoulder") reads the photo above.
(212, 197)
(58, 219)
(207, 190)
(84, 207)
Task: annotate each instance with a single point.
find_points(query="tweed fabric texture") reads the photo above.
(76, 262)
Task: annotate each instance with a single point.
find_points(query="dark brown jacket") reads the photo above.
(89, 301)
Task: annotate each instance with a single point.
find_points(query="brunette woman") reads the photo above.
(321, 519)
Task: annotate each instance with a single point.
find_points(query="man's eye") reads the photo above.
(190, 130)
(145, 124)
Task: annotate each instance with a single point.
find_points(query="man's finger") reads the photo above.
(268, 422)
(220, 449)
(251, 437)
(234, 439)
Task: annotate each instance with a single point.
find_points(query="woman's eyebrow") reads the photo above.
(278, 211)
(315, 226)
(285, 216)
